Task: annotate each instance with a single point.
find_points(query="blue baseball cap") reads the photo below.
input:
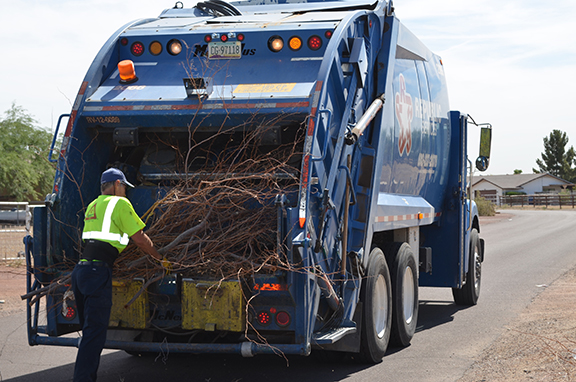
(112, 175)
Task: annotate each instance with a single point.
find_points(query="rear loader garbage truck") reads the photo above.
(296, 162)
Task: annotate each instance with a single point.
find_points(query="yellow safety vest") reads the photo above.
(111, 219)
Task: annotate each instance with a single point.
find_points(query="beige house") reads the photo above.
(494, 186)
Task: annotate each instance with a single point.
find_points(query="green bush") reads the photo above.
(485, 207)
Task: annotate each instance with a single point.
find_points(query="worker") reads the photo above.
(109, 222)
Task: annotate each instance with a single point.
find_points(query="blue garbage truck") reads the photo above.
(372, 203)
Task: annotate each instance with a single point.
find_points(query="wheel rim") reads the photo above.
(380, 313)
(477, 270)
(408, 295)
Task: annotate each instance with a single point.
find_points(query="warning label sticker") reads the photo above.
(264, 88)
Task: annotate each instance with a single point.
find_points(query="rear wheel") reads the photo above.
(470, 291)
(405, 293)
(376, 296)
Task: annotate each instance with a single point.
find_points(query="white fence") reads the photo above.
(15, 224)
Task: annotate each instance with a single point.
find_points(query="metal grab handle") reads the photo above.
(54, 138)
(349, 183)
(327, 138)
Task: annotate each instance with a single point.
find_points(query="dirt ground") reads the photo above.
(12, 285)
(539, 346)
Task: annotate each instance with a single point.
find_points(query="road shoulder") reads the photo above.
(540, 345)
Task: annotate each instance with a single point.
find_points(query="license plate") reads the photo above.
(220, 50)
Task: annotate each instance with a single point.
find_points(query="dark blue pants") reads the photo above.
(92, 287)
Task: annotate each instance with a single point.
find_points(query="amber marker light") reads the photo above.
(155, 48)
(275, 44)
(127, 71)
(295, 43)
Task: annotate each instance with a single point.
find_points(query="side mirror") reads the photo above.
(483, 159)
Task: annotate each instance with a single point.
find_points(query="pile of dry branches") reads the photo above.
(218, 223)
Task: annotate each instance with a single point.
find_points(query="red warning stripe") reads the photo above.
(269, 105)
(398, 218)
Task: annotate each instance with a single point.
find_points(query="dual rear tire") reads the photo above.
(390, 301)
(405, 293)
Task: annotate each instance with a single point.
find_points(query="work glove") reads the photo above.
(167, 265)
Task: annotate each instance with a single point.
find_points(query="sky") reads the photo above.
(510, 63)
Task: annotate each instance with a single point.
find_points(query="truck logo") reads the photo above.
(405, 114)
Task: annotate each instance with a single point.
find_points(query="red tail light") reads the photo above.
(282, 318)
(69, 313)
(314, 42)
(137, 48)
(264, 318)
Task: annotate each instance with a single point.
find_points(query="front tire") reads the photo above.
(470, 291)
(376, 296)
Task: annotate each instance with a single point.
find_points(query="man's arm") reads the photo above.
(145, 244)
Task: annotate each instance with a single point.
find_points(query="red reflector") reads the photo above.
(328, 34)
(124, 41)
(283, 319)
(137, 48)
(315, 43)
(240, 37)
(207, 38)
(263, 318)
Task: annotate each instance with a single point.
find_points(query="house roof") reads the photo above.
(516, 181)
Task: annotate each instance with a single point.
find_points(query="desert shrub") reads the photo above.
(485, 207)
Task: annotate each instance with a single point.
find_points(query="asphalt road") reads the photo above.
(524, 252)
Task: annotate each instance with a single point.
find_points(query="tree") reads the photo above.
(516, 172)
(25, 172)
(556, 160)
